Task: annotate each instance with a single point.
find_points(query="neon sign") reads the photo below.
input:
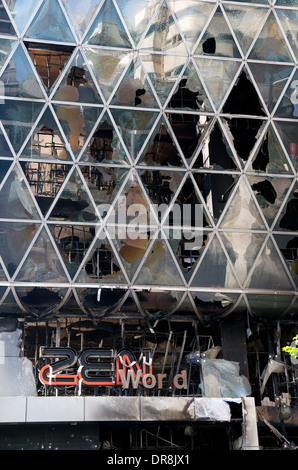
(102, 367)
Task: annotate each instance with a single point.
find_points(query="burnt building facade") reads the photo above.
(148, 220)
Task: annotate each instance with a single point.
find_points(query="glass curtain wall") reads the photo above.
(148, 158)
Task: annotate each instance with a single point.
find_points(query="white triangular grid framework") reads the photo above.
(236, 53)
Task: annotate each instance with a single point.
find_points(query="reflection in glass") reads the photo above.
(288, 245)
(6, 27)
(288, 132)
(288, 106)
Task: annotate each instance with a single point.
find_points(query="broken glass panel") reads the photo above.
(49, 61)
(272, 306)
(161, 149)
(189, 93)
(18, 77)
(246, 22)
(16, 201)
(269, 271)
(163, 34)
(107, 66)
(288, 219)
(213, 305)
(45, 180)
(271, 80)
(77, 123)
(101, 301)
(288, 245)
(270, 44)
(217, 75)
(217, 40)
(270, 193)
(288, 106)
(40, 300)
(215, 152)
(269, 156)
(6, 26)
(78, 84)
(18, 117)
(242, 249)
(46, 141)
(42, 263)
(74, 202)
(108, 29)
(288, 132)
(15, 240)
(134, 127)
(50, 24)
(192, 17)
(214, 269)
(242, 211)
(134, 88)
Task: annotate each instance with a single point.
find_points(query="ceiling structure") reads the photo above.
(165, 105)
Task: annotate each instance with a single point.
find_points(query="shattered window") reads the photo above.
(149, 144)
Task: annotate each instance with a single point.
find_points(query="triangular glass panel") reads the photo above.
(18, 77)
(217, 75)
(214, 270)
(161, 32)
(15, 240)
(5, 150)
(269, 155)
(10, 306)
(134, 127)
(269, 272)
(271, 80)
(212, 306)
(269, 307)
(187, 245)
(4, 167)
(50, 24)
(45, 180)
(77, 123)
(134, 88)
(73, 242)
(238, 102)
(101, 302)
(6, 27)
(288, 246)
(288, 106)
(288, 19)
(288, 219)
(101, 264)
(242, 249)
(242, 212)
(22, 11)
(79, 20)
(215, 152)
(42, 263)
(17, 118)
(104, 145)
(196, 13)
(215, 189)
(189, 207)
(107, 67)
(243, 134)
(288, 131)
(137, 15)
(41, 301)
(161, 149)
(16, 200)
(107, 28)
(159, 268)
(49, 61)
(161, 187)
(77, 84)
(270, 44)
(103, 183)
(46, 141)
(161, 304)
(189, 93)
(6, 46)
(74, 203)
(246, 22)
(217, 40)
